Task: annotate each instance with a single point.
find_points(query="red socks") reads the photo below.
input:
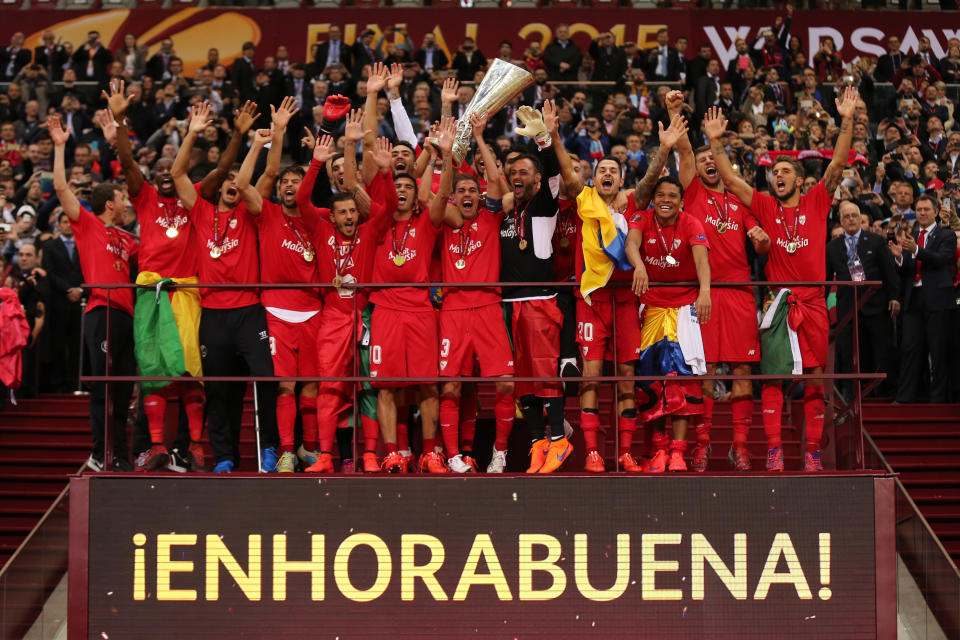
(504, 412)
(403, 438)
(707, 415)
(742, 408)
(703, 435)
(813, 410)
(371, 433)
(626, 425)
(660, 441)
(468, 418)
(308, 417)
(390, 447)
(771, 400)
(286, 418)
(429, 445)
(193, 405)
(678, 445)
(155, 407)
(449, 422)
(590, 425)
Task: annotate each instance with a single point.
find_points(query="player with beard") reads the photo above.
(166, 251)
(731, 335)
(595, 318)
(403, 332)
(797, 225)
(526, 246)
(471, 321)
(287, 254)
(345, 249)
(233, 323)
(667, 244)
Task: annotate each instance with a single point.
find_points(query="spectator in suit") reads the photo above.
(708, 88)
(33, 289)
(92, 59)
(468, 60)
(62, 264)
(562, 57)
(363, 53)
(772, 53)
(333, 51)
(926, 268)
(697, 68)
(213, 59)
(243, 73)
(856, 256)
(927, 54)
(889, 63)
(610, 62)
(592, 142)
(51, 56)
(663, 61)
(430, 57)
(13, 58)
(159, 63)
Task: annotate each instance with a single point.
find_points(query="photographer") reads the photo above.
(33, 288)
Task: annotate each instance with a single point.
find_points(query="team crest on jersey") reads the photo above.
(676, 243)
(413, 232)
(233, 223)
(734, 207)
(443, 364)
(802, 219)
(652, 241)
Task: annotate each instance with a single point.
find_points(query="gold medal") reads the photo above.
(172, 232)
(215, 253)
(791, 247)
(399, 260)
(118, 265)
(460, 264)
(671, 260)
(523, 244)
(337, 281)
(564, 242)
(308, 255)
(721, 227)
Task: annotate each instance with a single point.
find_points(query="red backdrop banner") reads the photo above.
(194, 30)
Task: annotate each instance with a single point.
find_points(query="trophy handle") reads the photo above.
(461, 143)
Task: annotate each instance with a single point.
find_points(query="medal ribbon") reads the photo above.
(338, 265)
(520, 218)
(464, 241)
(722, 214)
(787, 231)
(166, 215)
(307, 245)
(116, 243)
(403, 241)
(217, 240)
(663, 241)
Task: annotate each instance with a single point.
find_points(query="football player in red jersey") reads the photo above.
(797, 225)
(287, 254)
(667, 244)
(731, 335)
(471, 320)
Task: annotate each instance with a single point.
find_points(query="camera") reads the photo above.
(5, 227)
(896, 156)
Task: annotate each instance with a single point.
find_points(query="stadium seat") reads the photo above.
(327, 3)
(523, 4)
(116, 4)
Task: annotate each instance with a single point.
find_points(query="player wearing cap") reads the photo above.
(106, 254)
(471, 320)
(233, 323)
(287, 254)
(731, 335)
(797, 225)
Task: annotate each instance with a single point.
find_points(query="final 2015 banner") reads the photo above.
(195, 30)
(477, 557)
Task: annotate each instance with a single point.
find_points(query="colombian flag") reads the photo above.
(604, 244)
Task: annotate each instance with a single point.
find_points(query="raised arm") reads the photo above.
(322, 152)
(353, 134)
(571, 176)
(401, 121)
(60, 136)
(242, 121)
(280, 118)
(375, 84)
(250, 194)
(438, 206)
(199, 119)
(448, 95)
(668, 138)
(118, 103)
(714, 124)
(491, 173)
(688, 165)
(845, 109)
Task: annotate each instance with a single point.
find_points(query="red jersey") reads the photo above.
(413, 240)
(676, 241)
(804, 226)
(566, 239)
(285, 242)
(728, 250)
(170, 257)
(605, 294)
(477, 243)
(105, 256)
(234, 234)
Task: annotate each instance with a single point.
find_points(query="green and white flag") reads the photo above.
(779, 345)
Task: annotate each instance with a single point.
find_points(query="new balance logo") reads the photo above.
(264, 335)
(752, 352)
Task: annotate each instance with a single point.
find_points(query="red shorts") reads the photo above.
(403, 344)
(478, 332)
(293, 346)
(733, 333)
(336, 345)
(595, 330)
(812, 333)
(536, 345)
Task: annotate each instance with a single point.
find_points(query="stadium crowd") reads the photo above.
(117, 167)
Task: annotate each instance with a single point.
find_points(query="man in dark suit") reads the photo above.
(856, 256)
(243, 73)
(159, 63)
(431, 57)
(92, 59)
(889, 63)
(926, 267)
(610, 62)
(707, 88)
(925, 52)
(562, 57)
(61, 261)
(333, 51)
(663, 61)
(51, 56)
(13, 58)
(363, 52)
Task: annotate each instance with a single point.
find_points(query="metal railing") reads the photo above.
(846, 448)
